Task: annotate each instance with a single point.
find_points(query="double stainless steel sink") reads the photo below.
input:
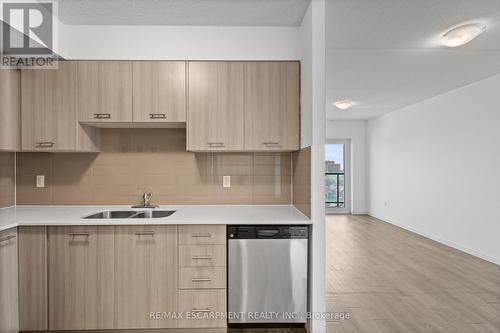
(131, 214)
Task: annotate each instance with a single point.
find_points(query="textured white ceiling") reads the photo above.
(383, 54)
(183, 12)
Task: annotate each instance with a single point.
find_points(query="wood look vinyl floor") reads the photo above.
(392, 280)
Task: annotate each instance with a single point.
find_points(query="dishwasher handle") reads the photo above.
(268, 233)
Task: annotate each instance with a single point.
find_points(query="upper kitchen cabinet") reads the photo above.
(272, 117)
(9, 109)
(215, 106)
(104, 91)
(48, 117)
(159, 91)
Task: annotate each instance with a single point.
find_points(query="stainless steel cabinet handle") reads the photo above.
(202, 235)
(74, 234)
(44, 144)
(8, 238)
(201, 279)
(157, 116)
(272, 143)
(102, 115)
(201, 257)
(201, 310)
(144, 233)
(216, 144)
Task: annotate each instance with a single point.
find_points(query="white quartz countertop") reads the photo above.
(185, 214)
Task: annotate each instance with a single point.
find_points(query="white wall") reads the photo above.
(313, 107)
(180, 42)
(354, 130)
(306, 80)
(434, 168)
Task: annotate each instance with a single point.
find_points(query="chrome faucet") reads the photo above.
(145, 201)
(145, 198)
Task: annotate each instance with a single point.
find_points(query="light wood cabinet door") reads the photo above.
(8, 282)
(146, 275)
(199, 303)
(200, 234)
(215, 107)
(32, 278)
(48, 108)
(159, 91)
(202, 278)
(10, 109)
(104, 91)
(272, 116)
(81, 277)
(202, 255)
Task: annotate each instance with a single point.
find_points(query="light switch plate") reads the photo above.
(40, 181)
(226, 181)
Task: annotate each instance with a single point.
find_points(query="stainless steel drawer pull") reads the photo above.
(201, 279)
(271, 143)
(45, 144)
(144, 233)
(202, 235)
(102, 115)
(201, 257)
(74, 234)
(157, 116)
(201, 310)
(216, 144)
(7, 239)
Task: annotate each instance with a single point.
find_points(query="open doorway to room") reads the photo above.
(337, 176)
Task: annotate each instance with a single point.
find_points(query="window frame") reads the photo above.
(347, 177)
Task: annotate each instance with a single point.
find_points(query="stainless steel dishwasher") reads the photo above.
(267, 274)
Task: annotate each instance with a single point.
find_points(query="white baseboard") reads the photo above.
(438, 239)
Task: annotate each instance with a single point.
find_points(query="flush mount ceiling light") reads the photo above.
(462, 34)
(343, 105)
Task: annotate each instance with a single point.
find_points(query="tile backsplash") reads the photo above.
(133, 161)
(7, 180)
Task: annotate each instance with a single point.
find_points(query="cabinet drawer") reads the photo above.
(202, 278)
(202, 234)
(202, 255)
(199, 305)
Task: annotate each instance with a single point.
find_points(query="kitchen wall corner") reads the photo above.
(301, 180)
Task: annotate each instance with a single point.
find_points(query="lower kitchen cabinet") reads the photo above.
(75, 278)
(9, 301)
(81, 277)
(145, 275)
(32, 252)
(23, 284)
(202, 275)
(201, 308)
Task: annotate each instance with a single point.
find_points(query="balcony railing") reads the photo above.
(335, 189)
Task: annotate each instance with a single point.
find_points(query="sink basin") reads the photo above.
(112, 214)
(153, 214)
(126, 214)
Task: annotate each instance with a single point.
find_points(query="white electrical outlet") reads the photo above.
(226, 181)
(40, 181)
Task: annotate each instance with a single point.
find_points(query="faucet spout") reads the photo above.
(146, 197)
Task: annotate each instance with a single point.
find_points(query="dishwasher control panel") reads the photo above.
(268, 232)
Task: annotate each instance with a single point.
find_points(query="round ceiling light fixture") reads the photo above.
(344, 104)
(462, 34)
